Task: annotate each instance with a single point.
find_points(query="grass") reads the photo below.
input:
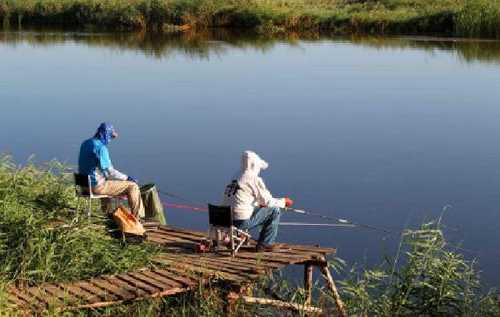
(40, 241)
(428, 277)
(474, 18)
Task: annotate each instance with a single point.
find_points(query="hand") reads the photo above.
(131, 179)
(288, 202)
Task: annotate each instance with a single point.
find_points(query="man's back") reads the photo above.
(88, 160)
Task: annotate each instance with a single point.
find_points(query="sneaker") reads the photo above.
(270, 247)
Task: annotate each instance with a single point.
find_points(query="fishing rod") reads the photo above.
(339, 220)
(305, 224)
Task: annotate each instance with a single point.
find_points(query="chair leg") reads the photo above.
(231, 233)
(90, 208)
(77, 207)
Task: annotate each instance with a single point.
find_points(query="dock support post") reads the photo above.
(308, 280)
(333, 288)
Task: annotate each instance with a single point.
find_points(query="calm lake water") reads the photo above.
(380, 131)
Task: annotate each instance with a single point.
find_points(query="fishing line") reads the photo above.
(339, 220)
(187, 200)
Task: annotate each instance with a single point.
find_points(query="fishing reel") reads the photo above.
(204, 246)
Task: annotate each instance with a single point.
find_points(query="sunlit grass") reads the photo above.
(40, 238)
(478, 18)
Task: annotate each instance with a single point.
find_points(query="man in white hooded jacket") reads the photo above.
(252, 204)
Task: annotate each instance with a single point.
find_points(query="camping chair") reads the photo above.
(220, 219)
(83, 188)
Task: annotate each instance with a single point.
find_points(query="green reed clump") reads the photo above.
(479, 17)
(427, 278)
(40, 238)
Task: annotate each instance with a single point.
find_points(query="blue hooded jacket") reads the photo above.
(94, 154)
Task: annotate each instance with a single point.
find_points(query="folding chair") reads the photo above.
(83, 188)
(220, 219)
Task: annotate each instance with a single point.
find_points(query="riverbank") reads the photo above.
(469, 18)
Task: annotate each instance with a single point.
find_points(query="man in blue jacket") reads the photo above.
(95, 161)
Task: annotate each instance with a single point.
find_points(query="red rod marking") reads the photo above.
(177, 206)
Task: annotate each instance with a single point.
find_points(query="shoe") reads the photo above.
(270, 247)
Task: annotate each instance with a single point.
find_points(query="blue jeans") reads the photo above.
(268, 218)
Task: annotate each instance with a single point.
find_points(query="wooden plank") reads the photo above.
(185, 269)
(201, 235)
(120, 293)
(155, 295)
(40, 296)
(83, 294)
(147, 280)
(281, 304)
(185, 280)
(316, 256)
(183, 230)
(228, 263)
(271, 257)
(172, 244)
(170, 238)
(17, 302)
(173, 234)
(161, 279)
(138, 283)
(100, 295)
(178, 235)
(157, 240)
(124, 285)
(250, 263)
(312, 249)
(290, 257)
(246, 261)
(192, 262)
(33, 303)
(63, 296)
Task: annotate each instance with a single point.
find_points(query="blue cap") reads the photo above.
(105, 132)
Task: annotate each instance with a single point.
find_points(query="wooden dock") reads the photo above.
(180, 270)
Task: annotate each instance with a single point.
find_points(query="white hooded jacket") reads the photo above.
(249, 191)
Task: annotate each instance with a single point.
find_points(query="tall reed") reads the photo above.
(449, 17)
(479, 17)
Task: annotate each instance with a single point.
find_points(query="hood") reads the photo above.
(252, 163)
(105, 132)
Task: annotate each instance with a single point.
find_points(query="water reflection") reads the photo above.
(206, 43)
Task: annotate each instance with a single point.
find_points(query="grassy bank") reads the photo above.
(40, 241)
(475, 18)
